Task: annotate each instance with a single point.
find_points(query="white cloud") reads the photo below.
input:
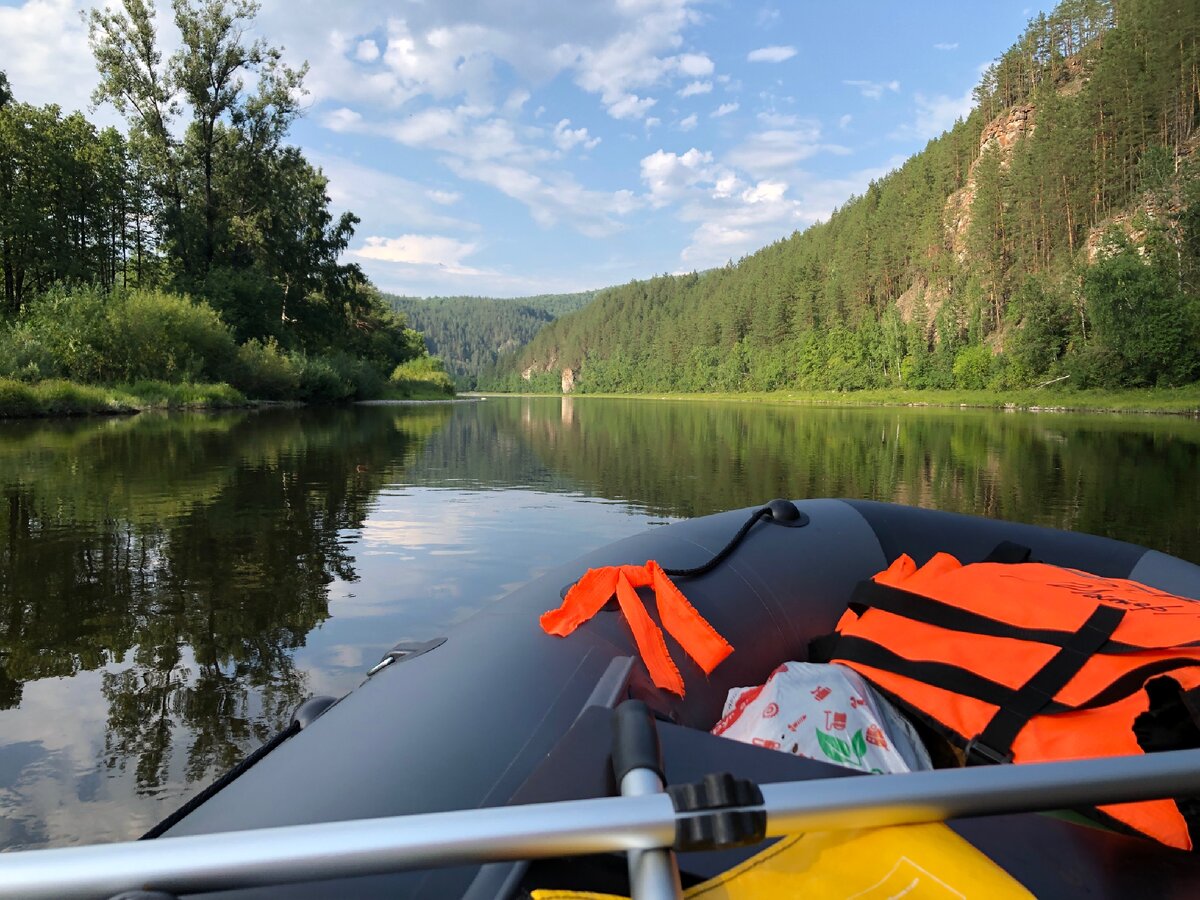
(724, 109)
(653, 122)
(516, 100)
(44, 52)
(630, 106)
(778, 120)
(367, 51)
(766, 17)
(692, 88)
(694, 65)
(636, 57)
(775, 54)
(844, 121)
(441, 52)
(778, 149)
(427, 127)
(873, 90)
(418, 250)
(945, 46)
(342, 119)
(766, 192)
(934, 115)
(688, 124)
(387, 202)
(443, 198)
(567, 137)
(734, 222)
(735, 217)
(551, 197)
(669, 175)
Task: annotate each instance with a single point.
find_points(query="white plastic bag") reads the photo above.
(824, 712)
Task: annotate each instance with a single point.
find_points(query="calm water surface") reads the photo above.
(172, 587)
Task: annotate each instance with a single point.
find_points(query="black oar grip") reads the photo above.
(635, 741)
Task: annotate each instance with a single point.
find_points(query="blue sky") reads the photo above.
(509, 147)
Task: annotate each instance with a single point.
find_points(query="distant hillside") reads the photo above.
(1053, 234)
(471, 333)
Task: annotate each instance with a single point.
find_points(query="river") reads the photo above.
(173, 586)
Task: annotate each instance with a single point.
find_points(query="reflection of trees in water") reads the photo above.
(1132, 479)
(198, 550)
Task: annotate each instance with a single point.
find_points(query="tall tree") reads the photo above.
(243, 218)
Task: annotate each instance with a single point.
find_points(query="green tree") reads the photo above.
(242, 218)
(1143, 328)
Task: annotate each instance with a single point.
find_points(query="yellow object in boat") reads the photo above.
(916, 862)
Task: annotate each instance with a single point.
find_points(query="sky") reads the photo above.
(515, 147)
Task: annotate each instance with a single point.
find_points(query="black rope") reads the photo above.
(174, 818)
(723, 552)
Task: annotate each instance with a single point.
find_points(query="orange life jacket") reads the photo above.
(693, 632)
(1025, 662)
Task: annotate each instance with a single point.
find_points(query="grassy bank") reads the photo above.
(65, 398)
(90, 351)
(1174, 401)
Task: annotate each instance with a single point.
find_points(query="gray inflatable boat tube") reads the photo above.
(407, 740)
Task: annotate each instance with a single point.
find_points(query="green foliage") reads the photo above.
(1145, 333)
(90, 335)
(973, 368)
(150, 394)
(1043, 334)
(421, 377)
(264, 372)
(18, 399)
(472, 334)
(157, 335)
(321, 381)
(56, 398)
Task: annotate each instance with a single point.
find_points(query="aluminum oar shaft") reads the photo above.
(327, 850)
(369, 846)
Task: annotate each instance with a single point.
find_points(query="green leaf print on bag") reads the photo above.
(844, 753)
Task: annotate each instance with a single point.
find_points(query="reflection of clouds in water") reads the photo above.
(65, 793)
(416, 583)
(343, 656)
(414, 533)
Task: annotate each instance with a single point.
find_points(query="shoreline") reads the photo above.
(59, 399)
(65, 399)
(1184, 401)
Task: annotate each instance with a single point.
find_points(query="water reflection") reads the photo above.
(171, 587)
(186, 558)
(1133, 478)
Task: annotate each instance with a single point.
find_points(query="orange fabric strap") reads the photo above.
(695, 635)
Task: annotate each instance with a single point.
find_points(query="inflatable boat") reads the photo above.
(496, 714)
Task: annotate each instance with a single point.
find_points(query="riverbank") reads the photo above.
(66, 398)
(1184, 401)
(52, 398)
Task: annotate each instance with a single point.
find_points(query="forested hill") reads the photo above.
(471, 333)
(1054, 233)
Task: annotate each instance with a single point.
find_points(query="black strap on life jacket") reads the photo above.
(927, 610)
(994, 743)
(1015, 708)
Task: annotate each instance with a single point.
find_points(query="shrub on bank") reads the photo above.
(94, 336)
(321, 382)
(155, 340)
(168, 337)
(58, 398)
(265, 372)
(185, 395)
(422, 376)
